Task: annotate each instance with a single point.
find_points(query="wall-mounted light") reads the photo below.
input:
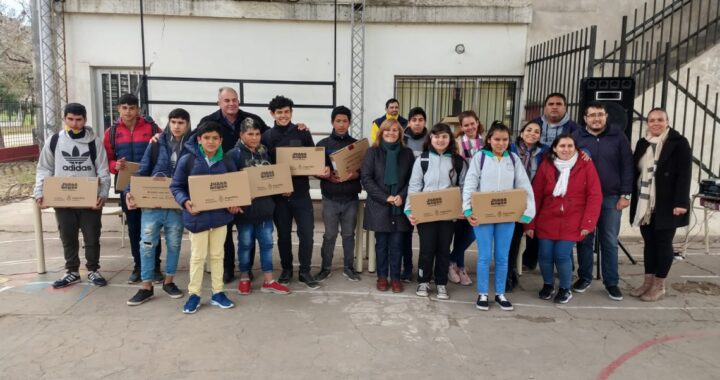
(459, 48)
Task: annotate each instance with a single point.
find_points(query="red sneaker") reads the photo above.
(244, 287)
(274, 287)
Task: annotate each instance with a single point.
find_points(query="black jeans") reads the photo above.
(344, 215)
(435, 239)
(658, 252)
(296, 207)
(530, 256)
(134, 224)
(70, 221)
(407, 253)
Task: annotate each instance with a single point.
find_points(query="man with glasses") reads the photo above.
(555, 119)
(610, 151)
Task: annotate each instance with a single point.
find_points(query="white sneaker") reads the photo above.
(442, 293)
(422, 289)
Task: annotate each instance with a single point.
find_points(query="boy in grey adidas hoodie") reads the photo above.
(76, 151)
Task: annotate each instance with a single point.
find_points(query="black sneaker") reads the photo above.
(614, 293)
(68, 279)
(563, 296)
(96, 279)
(503, 302)
(581, 285)
(285, 276)
(158, 276)
(134, 276)
(323, 275)
(172, 290)
(140, 297)
(308, 280)
(406, 277)
(482, 302)
(546, 292)
(351, 275)
(228, 277)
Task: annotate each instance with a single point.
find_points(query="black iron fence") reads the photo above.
(17, 124)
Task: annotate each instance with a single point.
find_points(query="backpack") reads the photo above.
(482, 159)
(91, 147)
(457, 165)
(154, 129)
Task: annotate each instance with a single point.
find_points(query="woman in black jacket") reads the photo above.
(385, 175)
(661, 198)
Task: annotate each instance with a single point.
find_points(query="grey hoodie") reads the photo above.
(57, 165)
(440, 175)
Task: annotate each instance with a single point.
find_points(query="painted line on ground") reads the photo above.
(4, 288)
(700, 276)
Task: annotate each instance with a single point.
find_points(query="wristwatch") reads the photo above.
(626, 196)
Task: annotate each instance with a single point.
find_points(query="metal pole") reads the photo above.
(39, 242)
(144, 89)
(623, 47)
(335, 56)
(591, 51)
(666, 78)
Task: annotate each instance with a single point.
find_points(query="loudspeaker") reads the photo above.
(618, 96)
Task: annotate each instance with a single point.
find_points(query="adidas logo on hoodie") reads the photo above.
(75, 159)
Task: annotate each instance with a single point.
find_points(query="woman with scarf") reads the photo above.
(385, 175)
(660, 199)
(531, 151)
(469, 138)
(568, 197)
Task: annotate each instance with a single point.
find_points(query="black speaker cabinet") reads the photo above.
(618, 95)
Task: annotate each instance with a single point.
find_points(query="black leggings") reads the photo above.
(658, 252)
(435, 239)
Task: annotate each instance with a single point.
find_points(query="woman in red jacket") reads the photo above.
(568, 199)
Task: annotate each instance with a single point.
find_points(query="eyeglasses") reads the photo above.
(598, 114)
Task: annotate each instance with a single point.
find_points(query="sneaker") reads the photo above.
(244, 287)
(453, 274)
(274, 287)
(192, 304)
(134, 276)
(140, 297)
(351, 275)
(172, 290)
(406, 277)
(68, 279)
(323, 275)
(228, 277)
(563, 296)
(464, 278)
(580, 286)
(442, 293)
(423, 289)
(96, 279)
(482, 302)
(220, 300)
(546, 292)
(503, 302)
(308, 280)
(614, 293)
(158, 276)
(285, 276)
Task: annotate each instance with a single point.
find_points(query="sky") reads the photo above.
(12, 4)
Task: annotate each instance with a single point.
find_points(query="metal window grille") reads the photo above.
(112, 86)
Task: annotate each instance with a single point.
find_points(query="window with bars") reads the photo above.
(111, 85)
(492, 98)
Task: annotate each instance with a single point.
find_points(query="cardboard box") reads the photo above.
(433, 206)
(212, 192)
(72, 192)
(349, 159)
(269, 180)
(123, 176)
(499, 206)
(153, 192)
(302, 160)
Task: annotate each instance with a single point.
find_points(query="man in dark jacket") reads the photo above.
(555, 119)
(609, 149)
(296, 205)
(340, 199)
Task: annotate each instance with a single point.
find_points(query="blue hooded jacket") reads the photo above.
(162, 167)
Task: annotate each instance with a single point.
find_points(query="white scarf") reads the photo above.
(646, 182)
(564, 166)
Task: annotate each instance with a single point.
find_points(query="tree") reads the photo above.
(16, 55)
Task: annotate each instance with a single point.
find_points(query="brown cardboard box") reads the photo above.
(153, 192)
(212, 192)
(499, 206)
(350, 158)
(302, 160)
(123, 176)
(432, 206)
(269, 180)
(73, 192)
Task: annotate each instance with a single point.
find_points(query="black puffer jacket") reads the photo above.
(343, 191)
(262, 208)
(379, 215)
(231, 132)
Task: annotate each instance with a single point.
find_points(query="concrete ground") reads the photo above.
(344, 329)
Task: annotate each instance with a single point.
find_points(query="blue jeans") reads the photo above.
(247, 233)
(389, 253)
(153, 220)
(608, 227)
(463, 238)
(489, 236)
(407, 254)
(556, 253)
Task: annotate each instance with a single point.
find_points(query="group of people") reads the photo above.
(576, 180)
